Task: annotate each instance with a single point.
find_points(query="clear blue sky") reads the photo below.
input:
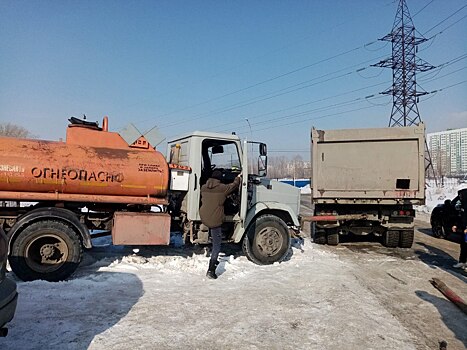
(210, 65)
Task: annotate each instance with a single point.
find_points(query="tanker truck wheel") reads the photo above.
(47, 249)
(267, 240)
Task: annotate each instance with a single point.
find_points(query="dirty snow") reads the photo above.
(159, 298)
(305, 189)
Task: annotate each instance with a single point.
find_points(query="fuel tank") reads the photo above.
(92, 161)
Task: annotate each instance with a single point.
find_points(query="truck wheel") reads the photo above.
(267, 240)
(319, 236)
(391, 239)
(333, 238)
(406, 239)
(48, 250)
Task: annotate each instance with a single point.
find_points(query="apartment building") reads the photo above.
(448, 151)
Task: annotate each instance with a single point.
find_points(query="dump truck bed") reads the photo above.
(366, 166)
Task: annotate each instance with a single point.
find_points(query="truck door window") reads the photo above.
(228, 159)
(222, 155)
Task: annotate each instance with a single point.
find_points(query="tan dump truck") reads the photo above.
(366, 181)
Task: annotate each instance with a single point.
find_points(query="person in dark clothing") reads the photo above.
(213, 196)
(462, 228)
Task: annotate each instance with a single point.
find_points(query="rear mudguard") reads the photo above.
(52, 213)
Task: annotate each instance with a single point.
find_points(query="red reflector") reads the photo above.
(401, 212)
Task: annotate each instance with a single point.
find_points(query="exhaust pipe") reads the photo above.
(3, 332)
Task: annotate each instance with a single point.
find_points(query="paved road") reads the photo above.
(399, 278)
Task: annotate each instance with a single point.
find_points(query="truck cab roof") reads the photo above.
(206, 134)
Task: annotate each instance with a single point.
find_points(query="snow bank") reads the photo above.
(437, 194)
(305, 189)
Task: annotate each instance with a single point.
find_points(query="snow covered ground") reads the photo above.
(159, 298)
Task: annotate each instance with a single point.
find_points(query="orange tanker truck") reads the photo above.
(55, 194)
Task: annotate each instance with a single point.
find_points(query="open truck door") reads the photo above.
(244, 185)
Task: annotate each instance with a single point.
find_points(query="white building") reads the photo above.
(448, 151)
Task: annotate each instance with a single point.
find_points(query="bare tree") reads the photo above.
(13, 130)
(284, 167)
(277, 167)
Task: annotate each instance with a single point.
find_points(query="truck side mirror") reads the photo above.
(263, 150)
(262, 165)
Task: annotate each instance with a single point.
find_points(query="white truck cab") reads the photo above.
(263, 213)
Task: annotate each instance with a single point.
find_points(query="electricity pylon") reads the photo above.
(405, 64)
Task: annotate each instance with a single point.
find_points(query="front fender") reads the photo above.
(280, 210)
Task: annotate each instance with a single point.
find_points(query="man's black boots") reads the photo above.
(212, 269)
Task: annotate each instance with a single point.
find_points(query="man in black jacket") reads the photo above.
(462, 228)
(213, 196)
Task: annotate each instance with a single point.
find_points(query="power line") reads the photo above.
(445, 75)
(263, 81)
(281, 75)
(348, 111)
(444, 20)
(307, 112)
(424, 7)
(301, 114)
(339, 113)
(262, 97)
(267, 54)
(268, 96)
(367, 98)
(304, 104)
(443, 65)
(449, 86)
(271, 95)
(315, 118)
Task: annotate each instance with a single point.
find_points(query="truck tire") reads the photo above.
(332, 237)
(391, 239)
(319, 236)
(267, 240)
(406, 239)
(47, 249)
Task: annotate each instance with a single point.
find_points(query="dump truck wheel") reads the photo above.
(47, 249)
(391, 239)
(319, 236)
(333, 238)
(406, 239)
(267, 240)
